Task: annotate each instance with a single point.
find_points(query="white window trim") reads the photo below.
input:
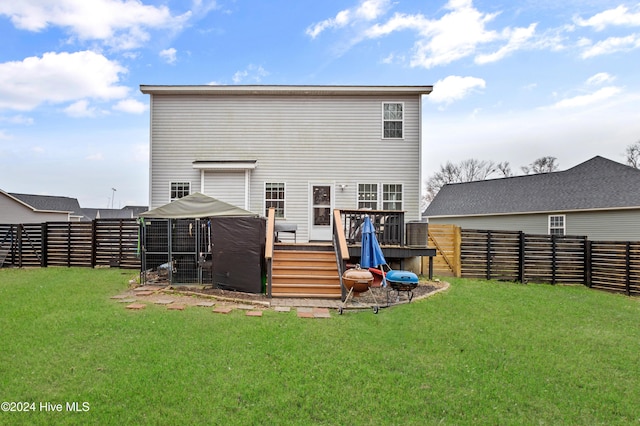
(377, 194)
(264, 199)
(382, 195)
(383, 120)
(564, 223)
(179, 181)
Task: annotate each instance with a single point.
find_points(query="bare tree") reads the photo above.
(466, 171)
(633, 155)
(473, 170)
(504, 168)
(546, 164)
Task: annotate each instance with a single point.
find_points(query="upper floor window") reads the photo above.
(180, 189)
(368, 196)
(392, 196)
(557, 225)
(393, 120)
(274, 197)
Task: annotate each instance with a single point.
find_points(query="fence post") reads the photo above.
(628, 268)
(587, 262)
(94, 242)
(521, 249)
(44, 230)
(20, 230)
(488, 255)
(457, 255)
(554, 264)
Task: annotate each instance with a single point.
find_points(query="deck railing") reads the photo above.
(268, 249)
(389, 225)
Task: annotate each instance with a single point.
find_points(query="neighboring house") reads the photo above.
(28, 208)
(304, 150)
(128, 212)
(599, 199)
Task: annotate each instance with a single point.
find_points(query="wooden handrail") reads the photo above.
(271, 223)
(339, 230)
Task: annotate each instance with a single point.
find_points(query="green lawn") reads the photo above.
(479, 353)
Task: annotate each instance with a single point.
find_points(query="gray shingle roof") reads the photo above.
(598, 183)
(49, 203)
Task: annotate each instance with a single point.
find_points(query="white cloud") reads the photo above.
(367, 10)
(117, 23)
(620, 16)
(453, 88)
(17, 119)
(81, 109)
(586, 100)
(59, 78)
(517, 38)
(457, 34)
(169, 55)
(610, 45)
(131, 106)
(98, 156)
(251, 74)
(600, 78)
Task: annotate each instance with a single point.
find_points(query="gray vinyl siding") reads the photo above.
(13, 212)
(225, 186)
(295, 139)
(603, 225)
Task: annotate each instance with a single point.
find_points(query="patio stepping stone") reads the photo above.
(305, 314)
(175, 307)
(282, 308)
(246, 307)
(128, 300)
(321, 313)
(206, 304)
(163, 302)
(222, 310)
(305, 310)
(144, 293)
(119, 296)
(136, 306)
(254, 313)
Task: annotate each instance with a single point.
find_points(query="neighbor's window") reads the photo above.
(557, 225)
(392, 196)
(274, 197)
(179, 189)
(368, 196)
(392, 120)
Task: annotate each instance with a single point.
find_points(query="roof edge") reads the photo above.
(282, 90)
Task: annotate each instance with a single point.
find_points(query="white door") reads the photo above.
(320, 208)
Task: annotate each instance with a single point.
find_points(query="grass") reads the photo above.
(480, 353)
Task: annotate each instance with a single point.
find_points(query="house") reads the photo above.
(599, 198)
(305, 150)
(128, 212)
(28, 208)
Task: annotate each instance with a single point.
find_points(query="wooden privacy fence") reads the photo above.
(516, 256)
(102, 242)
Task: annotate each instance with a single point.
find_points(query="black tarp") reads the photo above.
(238, 253)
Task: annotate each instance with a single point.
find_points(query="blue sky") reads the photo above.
(513, 80)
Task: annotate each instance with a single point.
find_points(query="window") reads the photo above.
(392, 120)
(274, 197)
(392, 196)
(179, 189)
(557, 225)
(368, 196)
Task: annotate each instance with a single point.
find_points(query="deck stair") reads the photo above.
(305, 271)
